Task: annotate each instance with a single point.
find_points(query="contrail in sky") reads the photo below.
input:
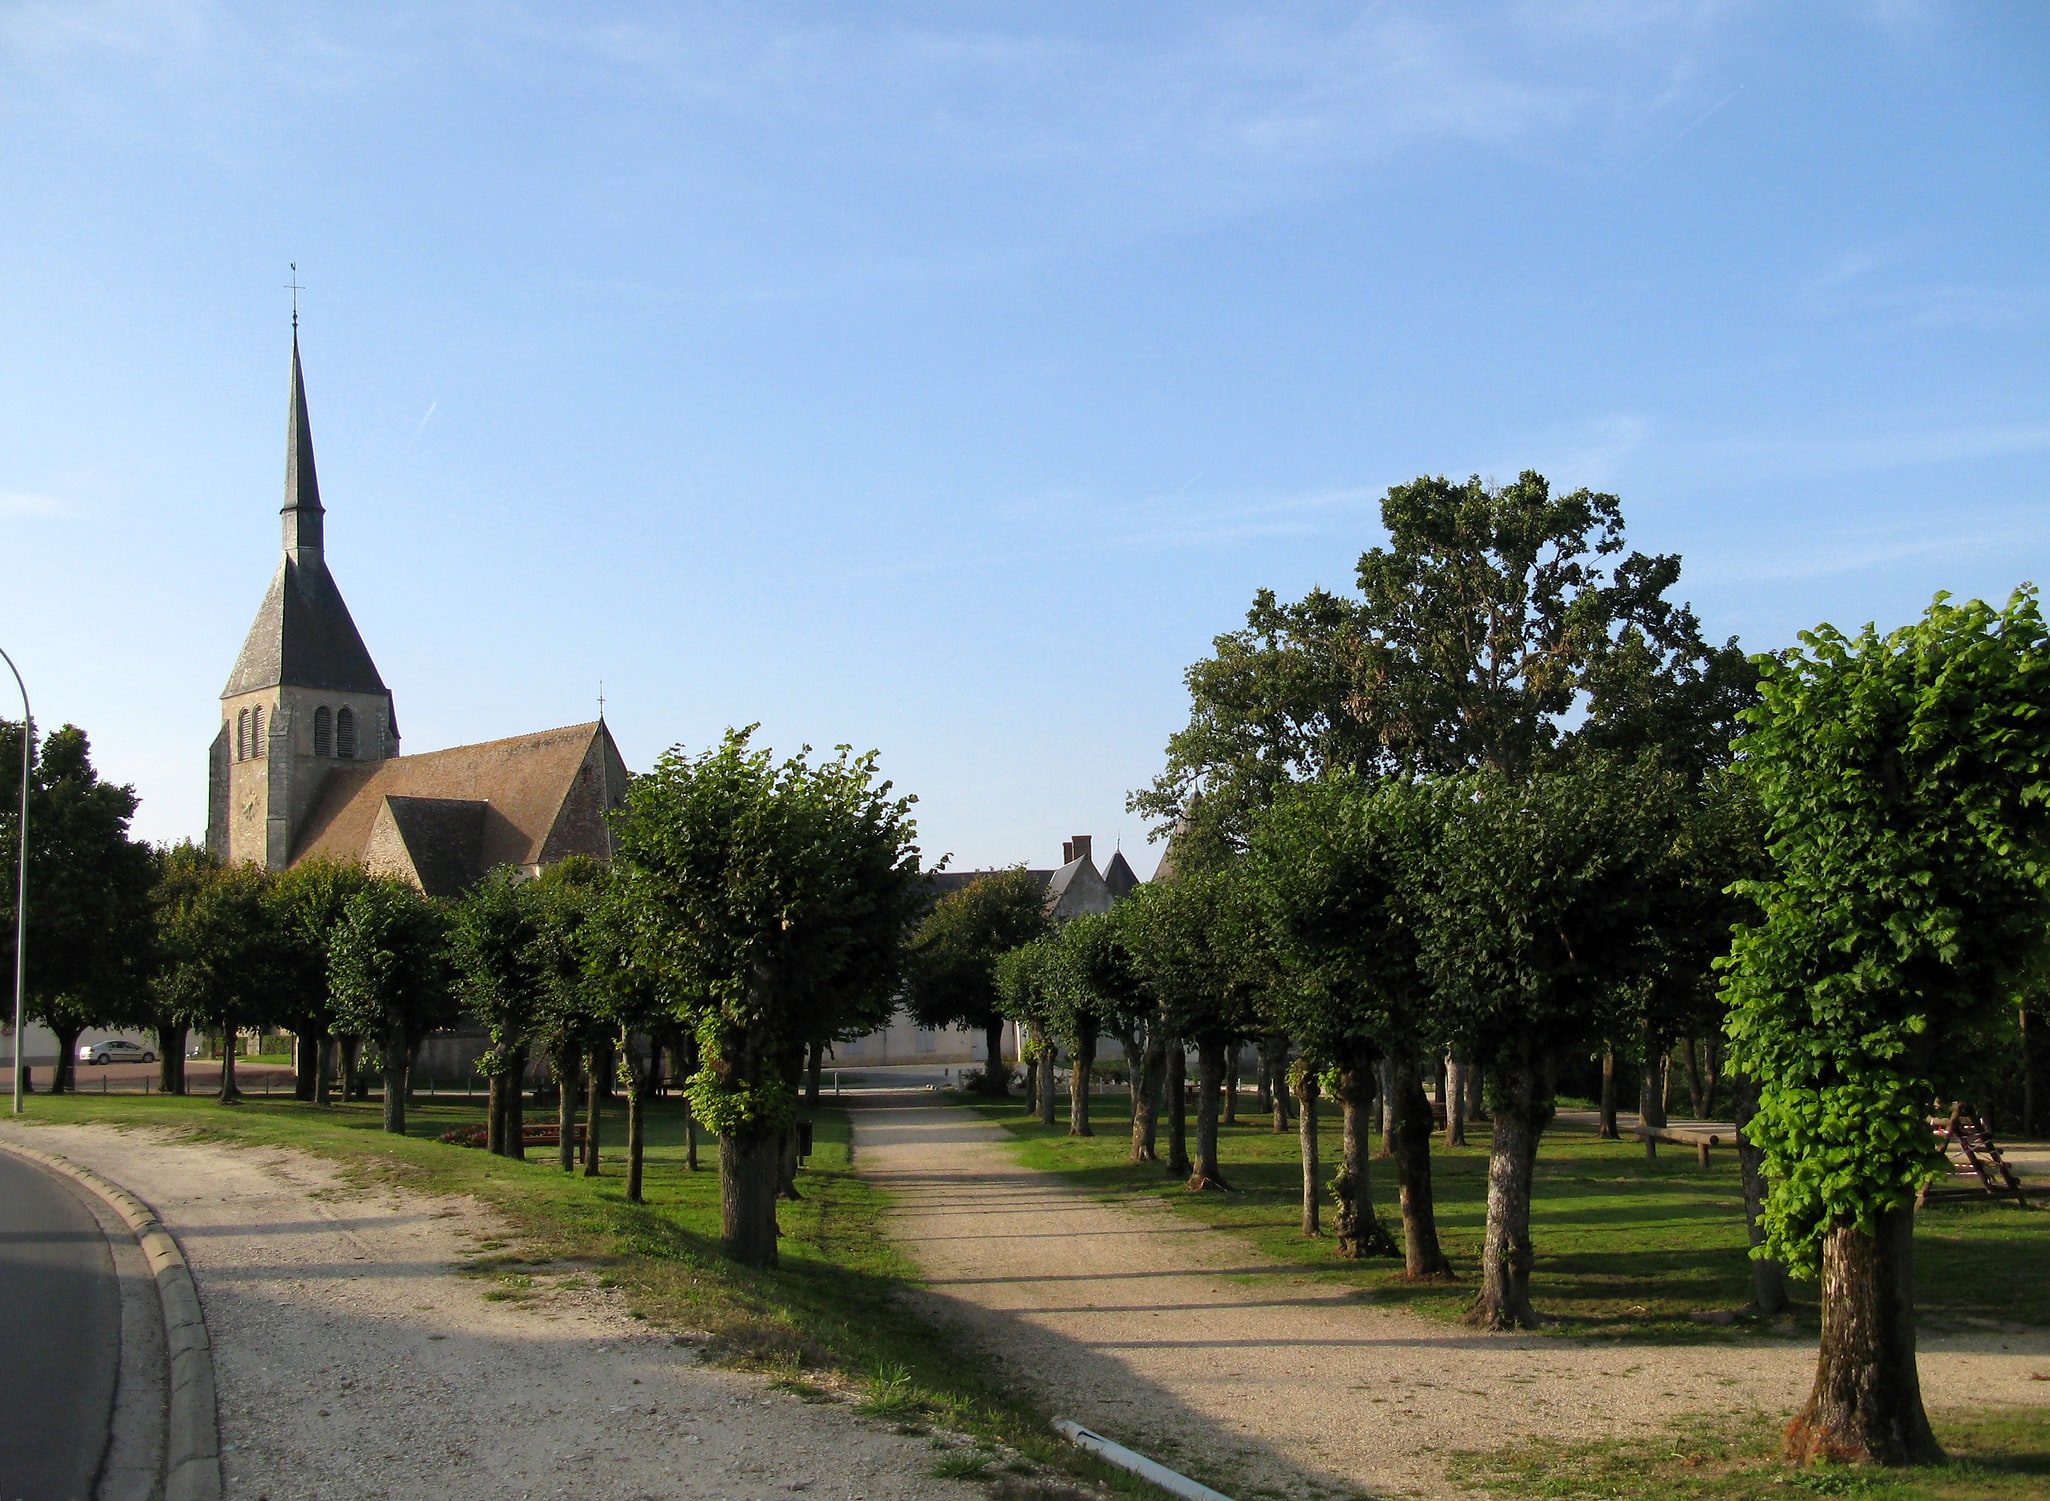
(1699, 120)
(423, 421)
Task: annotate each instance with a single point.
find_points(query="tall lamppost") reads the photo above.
(28, 740)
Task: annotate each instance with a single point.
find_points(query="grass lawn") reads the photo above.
(829, 1321)
(1627, 1248)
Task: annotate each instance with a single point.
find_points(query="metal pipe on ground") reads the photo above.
(1135, 1462)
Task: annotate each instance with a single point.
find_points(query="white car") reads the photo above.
(115, 1050)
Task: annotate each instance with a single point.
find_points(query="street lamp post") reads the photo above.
(28, 740)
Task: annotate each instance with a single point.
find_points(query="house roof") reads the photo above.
(529, 800)
(1120, 877)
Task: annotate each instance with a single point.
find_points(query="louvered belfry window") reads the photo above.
(256, 731)
(345, 734)
(324, 731)
(242, 736)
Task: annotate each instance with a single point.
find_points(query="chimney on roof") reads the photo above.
(1078, 847)
(1067, 852)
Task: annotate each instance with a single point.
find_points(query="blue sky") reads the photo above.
(942, 378)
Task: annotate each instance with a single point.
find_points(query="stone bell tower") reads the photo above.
(304, 697)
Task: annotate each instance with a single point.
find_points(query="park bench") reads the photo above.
(549, 1134)
(1698, 1137)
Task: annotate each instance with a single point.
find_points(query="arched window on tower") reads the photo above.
(256, 731)
(324, 731)
(345, 734)
(242, 736)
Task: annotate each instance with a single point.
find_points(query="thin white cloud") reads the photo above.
(27, 503)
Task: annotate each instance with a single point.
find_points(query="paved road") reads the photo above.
(60, 1337)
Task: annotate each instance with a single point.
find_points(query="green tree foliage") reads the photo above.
(88, 890)
(1024, 979)
(769, 889)
(1199, 946)
(1344, 870)
(1490, 619)
(217, 953)
(950, 970)
(1906, 784)
(493, 937)
(1538, 920)
(567, 1024)
(1093, 988)
(624, 979)
(389, 975)
(305, 906)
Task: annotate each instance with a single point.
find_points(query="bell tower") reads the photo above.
(304, 697)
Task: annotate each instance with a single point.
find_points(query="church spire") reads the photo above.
(302, 509)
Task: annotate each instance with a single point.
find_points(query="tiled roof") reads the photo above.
(443, 840)
(545, 796)
(303, 636)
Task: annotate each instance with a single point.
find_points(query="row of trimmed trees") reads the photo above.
(1505, 805)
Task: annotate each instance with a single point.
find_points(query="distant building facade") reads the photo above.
(307, 763)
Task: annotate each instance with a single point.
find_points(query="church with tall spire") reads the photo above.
(306, 762)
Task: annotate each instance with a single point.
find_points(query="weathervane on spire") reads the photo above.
(601, 700)
(296, 289)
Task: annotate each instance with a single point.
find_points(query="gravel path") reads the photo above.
(355, 1361)
(1186, 1344)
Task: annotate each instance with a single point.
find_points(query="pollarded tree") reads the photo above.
(217, 956)
(1200, 949)
(388, 971)
(1344, 869)
(304, 906)
(567, 1021)
(950, 971)
(1537, 919)
(1906, 780)
(1094, 989)
(88, 884)
(623, 979)
(1025, 979)
(763, 888)
(492, 948)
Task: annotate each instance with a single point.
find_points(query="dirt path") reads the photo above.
(355, 1361)
(1186, 1344)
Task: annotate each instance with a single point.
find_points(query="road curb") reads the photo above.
(192, 1436)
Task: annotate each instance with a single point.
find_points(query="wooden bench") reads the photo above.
(1698, 1137)
(549, 1134)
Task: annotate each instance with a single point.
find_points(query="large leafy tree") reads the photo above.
(1500, 628)
(766, 887)
(624, 977)
(1094, 989)
(388, 972)
(88, 890)
(304, 906)
(1906, 780)
(1537, 920)
(493, 933)
(950, 971)
(1344, 869)
(567, 1019)
(1025, 979)
(217, 954)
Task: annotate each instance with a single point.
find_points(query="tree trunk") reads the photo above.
(1047, 1102)
(1229, 1082)
(1384, 1106)
(494, 1113)
(1275, 1058)
(64, 1077)
(601, 1060)
(1177, 1088)
(638, 1081)
(786, 1165)
(395, 1081)
(324, 1071)
(750, 1172)
(1697, 1095)
(306, 1045)
(2033, 1098)
(1456, 1073)
(516, 1105)
(1360, 1231)
(352, 1052)
(1263, 1084)
(1768, 1277)
(1149, 1075)
(171, 1058)
(1866, 1405)
(230, 1091)
(1522, 1107)
(563, 1064)
(690, 1135)
(814, 1066)
(1651, 1089)
(996, 1078)
(1306, 1123)
(1422, 1256)
(1210, 1063)
(1609, 1130)
(1078, 1097)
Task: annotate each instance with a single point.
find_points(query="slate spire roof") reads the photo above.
(303, 636)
